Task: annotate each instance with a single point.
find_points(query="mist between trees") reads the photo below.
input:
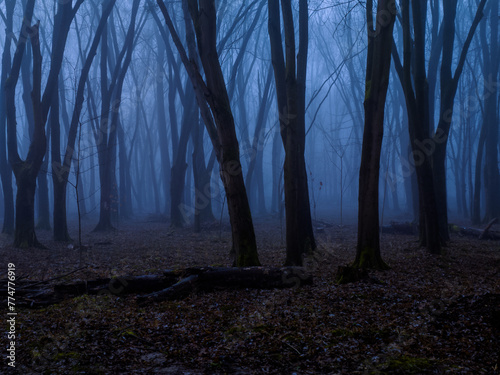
(203, 111)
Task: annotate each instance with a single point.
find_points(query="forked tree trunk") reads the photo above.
(61, 170)
(412, 74)
(449, 85)
(112, 97)
(377, 82)
(26, 171)
(290, 77)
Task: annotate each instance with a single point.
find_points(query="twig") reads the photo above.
(54, 278)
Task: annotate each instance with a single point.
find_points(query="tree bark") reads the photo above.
(202, 196)
(111, 101)
(223, 136)
(162, 121)
(61, 169)
(491, 61)
(5, 168)
(377, 82)
(449, 85)
(209, 279)
(290, 78)
(26, 171)
(178, 214)
(257, 147)
(172, 285)
(412, 74)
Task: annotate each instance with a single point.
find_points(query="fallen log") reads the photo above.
(482, 234)
(209, 279)
(170, 285)
(476, 233)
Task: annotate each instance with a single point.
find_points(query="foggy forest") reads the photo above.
(250, 187)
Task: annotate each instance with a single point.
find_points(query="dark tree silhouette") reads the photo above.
(290, 77)
(5, 168)
(415, 86)
(377, 81)
(215, 109)
(111, 100)
(429, 149)
(491, 64)
(26, 171)
(449, 85)
(60, 170)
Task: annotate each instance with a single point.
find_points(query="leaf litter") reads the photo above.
(426, 315)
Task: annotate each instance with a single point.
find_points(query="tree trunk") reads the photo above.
(125, 183)
(412, 74)
(111, 98)
(43, 220)
(24, 235)
(449, 85)
(60, 222)
(26, 171)
(491, 60)
(61, 170)
(202, 189)
(178, 214)
(259, 175)
(5, 168)
(223, 136)
(162, 122)
(377, 82)
(209, 279)
(257, 147)
(290, 77)
(476, 204)
(276, 171)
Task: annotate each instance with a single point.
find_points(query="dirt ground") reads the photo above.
(427, 314)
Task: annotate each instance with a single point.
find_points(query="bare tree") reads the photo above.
(26, 171)
(215, 108)
(448, 85)
(377, 81)
(61, 169)
(491, 63)
(290, 78)
(111, 96)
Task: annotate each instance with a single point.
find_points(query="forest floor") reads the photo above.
(429, 314)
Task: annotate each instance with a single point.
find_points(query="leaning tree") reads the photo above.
(215, 108)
